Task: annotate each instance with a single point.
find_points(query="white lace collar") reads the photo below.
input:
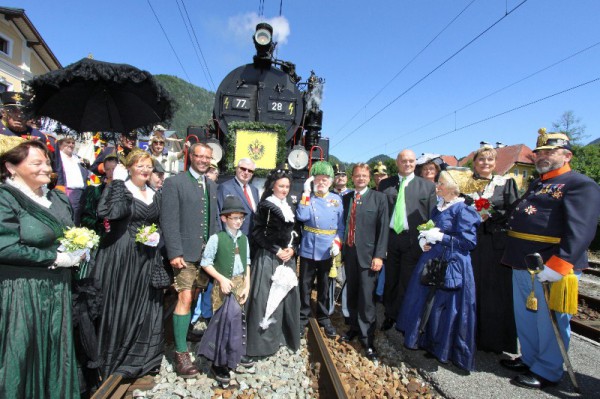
(137, 192)
(442, 205)
(288, 214)
(24, 188)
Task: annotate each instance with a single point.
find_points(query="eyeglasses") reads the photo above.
(251, 171)
(236, 218)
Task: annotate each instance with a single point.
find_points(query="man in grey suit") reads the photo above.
(240, 187)
(364, 247)
(410, 201)
(189, 215)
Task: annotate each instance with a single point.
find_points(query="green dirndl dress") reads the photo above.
(37, 356)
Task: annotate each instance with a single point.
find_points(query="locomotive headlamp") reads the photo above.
(217, 153)
(263, 37)
(263, 40)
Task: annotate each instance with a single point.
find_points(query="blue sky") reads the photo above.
(358, 48)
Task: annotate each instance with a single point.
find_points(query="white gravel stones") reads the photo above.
(282, 375)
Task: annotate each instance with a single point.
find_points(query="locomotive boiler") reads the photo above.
(263, 111)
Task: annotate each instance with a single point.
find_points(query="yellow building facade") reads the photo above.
(23, 52)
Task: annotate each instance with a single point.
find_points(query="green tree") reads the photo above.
(585, 160)
(571, 125)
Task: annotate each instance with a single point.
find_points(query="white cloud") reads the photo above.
(243, 27)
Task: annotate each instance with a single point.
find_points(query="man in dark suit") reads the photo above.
(407, 211)
(72, 175)
(240, 187)
(364, 249)
(189, 215)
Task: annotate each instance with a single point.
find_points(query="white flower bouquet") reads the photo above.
(148, 235)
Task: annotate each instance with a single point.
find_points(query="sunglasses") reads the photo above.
(158, 142)
(246, 170)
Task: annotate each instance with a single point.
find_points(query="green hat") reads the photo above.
(321, 168)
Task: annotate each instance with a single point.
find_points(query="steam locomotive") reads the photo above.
(267, 93)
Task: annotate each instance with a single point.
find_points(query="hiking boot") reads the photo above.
(184, 366)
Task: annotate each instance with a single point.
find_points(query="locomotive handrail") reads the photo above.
(310, 157)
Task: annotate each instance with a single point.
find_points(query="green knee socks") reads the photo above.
(181, 324)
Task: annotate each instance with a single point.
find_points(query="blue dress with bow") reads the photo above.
(450, 332)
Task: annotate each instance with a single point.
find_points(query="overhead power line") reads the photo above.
(403, 68)
(429, 73)
(485, 97)
(190, 27)
(502, 113)
(169, 41)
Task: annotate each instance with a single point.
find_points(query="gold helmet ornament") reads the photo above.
(552, 140)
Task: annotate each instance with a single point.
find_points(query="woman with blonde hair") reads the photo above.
(448, 334)
(130, 338)
(496, 330)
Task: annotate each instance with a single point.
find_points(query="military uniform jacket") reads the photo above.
(323, 220)
(563, 205)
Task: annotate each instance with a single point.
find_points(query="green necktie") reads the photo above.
(400, 208)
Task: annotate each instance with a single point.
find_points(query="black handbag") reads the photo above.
(160, 279)
(434, 272)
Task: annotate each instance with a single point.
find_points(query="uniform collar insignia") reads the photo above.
(556, 172)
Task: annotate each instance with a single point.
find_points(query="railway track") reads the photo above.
(594, 269)
(587, 320)
(322, 370)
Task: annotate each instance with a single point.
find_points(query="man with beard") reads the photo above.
(321, 215)
(340, 180)
(556, 218)
(16, 111)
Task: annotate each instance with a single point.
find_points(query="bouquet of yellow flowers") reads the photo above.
(148, 235)
(79, 240)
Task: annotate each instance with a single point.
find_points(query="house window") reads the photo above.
(524, 174)
(516, 172)
(5, 45)
(3, 87)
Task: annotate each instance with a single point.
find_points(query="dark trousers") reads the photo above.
(308, 269)
(399, 265)
(76, 199)
(361, 283)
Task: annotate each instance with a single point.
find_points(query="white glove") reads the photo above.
(120, 173)
(434, 235)
(422, 242)
(66, 259)
(549, 275)
(307, 188)
(335, 250)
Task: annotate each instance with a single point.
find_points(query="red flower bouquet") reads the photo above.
(483, 206)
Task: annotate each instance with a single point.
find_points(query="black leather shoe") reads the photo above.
(221, 374)
(349, 336)
(515, 364)
(532, 381)
(387, 324)
(246, 362)
(330, 331)
(371, 354)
